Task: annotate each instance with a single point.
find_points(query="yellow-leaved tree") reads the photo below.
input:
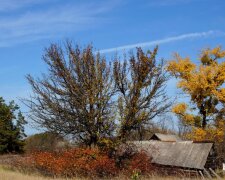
(204, 116)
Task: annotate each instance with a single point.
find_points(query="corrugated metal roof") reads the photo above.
(180, 154)
(166, 137)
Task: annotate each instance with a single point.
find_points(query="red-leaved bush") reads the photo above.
(88, 162)
(141, 162)
(76, 161)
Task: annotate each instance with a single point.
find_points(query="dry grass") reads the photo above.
(13, 175)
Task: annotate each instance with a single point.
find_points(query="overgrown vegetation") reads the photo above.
(99, 106)
(82, 162)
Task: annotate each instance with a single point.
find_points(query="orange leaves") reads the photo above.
(209, 56)
(74, 162)
(205, 79)
(181, 111)
(180, 108)
(220, 94)
(210, 133)
(141, 163)
(83, 162)
(181, 67)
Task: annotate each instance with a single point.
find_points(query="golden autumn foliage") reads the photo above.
(204, 84)
(211, 133)
(181, 110)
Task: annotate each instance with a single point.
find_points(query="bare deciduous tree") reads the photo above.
(141, 85)
(75, 97)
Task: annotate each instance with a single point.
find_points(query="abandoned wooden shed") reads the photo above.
(171, 151)
(183, 154)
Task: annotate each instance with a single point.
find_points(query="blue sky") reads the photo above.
(28, 26)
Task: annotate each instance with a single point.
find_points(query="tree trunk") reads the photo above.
(204, 116)
(204, 123)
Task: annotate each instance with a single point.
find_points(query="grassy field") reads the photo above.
(11, 175)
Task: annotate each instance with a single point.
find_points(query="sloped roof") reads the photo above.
(184, 154)
(165, 137)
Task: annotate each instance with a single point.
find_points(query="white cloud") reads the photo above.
(52, 21)
(9, 5)
(165, 40)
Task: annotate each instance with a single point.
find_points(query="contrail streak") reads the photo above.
(163, 41)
